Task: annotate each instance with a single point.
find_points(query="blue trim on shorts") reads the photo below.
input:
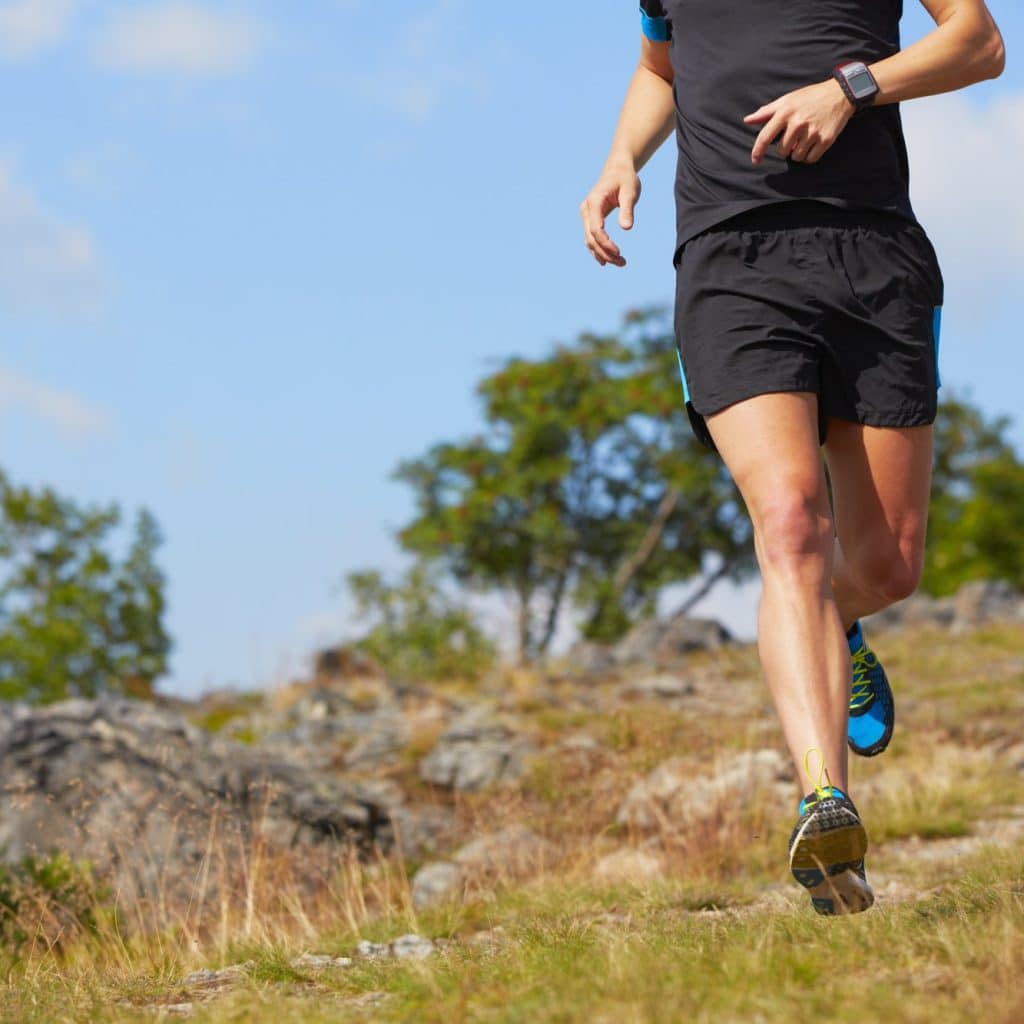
(936, 331)
(682, 376)
(654, 28)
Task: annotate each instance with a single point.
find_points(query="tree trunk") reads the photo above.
(525, 633)
(652, 538)
(556, 607)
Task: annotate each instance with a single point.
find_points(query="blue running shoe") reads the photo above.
(826, 853)
(872, 711)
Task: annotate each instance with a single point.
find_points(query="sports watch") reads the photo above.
(857, 82)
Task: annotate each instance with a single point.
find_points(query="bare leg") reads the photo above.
(881, 482)
(770, 445)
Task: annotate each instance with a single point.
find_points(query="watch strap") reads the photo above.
(840, 76)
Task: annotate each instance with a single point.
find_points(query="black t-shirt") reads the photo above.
(730, 57)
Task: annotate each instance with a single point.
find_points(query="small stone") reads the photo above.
(411, 947)
(435, 882)
(373, 950)
(319, 962)
(209, 979)
(659, 687)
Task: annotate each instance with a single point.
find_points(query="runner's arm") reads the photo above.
(965, 47)
(646, 120)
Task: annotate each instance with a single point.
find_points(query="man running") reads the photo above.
(807, 314)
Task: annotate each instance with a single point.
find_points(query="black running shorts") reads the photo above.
(804, 296)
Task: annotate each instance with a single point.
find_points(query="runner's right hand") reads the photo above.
(618, 186)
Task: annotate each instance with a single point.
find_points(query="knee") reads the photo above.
(890, 567)
(793, 534)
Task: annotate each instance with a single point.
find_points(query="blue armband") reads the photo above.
(655, 28)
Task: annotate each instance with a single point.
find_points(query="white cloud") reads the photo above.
(44, 264)
(73, 417)
(28, 26)
(178, 37)
(965, 165)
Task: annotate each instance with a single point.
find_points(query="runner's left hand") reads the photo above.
(809, 120)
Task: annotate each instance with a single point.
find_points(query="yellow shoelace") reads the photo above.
(822, 789)
(864, 661)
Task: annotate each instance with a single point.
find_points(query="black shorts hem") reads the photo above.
(698, 418)
(922, 416)
(918, 416)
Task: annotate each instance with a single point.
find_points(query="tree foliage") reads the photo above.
(587, 485)
(75, 619)
(977, 508)
(418, 631)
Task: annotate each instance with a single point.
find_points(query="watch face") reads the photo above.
(861, 83)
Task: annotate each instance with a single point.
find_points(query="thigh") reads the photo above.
(770, 445)
(881, 482)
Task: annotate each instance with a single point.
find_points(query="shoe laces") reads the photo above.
(864, 661)
(823, 788)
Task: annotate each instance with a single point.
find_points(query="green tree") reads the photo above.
(418, 631)
(974, 524)
(587, 485)
(75, 619)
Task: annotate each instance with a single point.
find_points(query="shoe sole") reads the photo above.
(845, 893)
(822, 860)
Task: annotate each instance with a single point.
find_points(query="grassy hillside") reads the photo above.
(695, 921)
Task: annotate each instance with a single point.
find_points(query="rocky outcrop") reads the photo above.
(137, 791)
(654, 643)
(974, 604)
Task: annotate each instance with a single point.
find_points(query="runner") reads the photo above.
(808, 300)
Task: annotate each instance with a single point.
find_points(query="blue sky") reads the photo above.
(253, 254)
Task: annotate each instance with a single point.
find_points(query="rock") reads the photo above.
(658, 687)
(412, 947)
(319, 962)
(973, 605)
(982, 601)
(919, 610)
(629, 866)
(665, 641)
(385, 735)
(423, 829)
(512, 852)
(476, 752)
(586, 660)
(372, 950)
(343, 663)
(209, 980)
(434, 883)
(670, 796)
(97, 778)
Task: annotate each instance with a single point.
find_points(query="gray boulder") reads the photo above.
(141, 794)
(661, 641)
(476, 752)
(435, 882)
